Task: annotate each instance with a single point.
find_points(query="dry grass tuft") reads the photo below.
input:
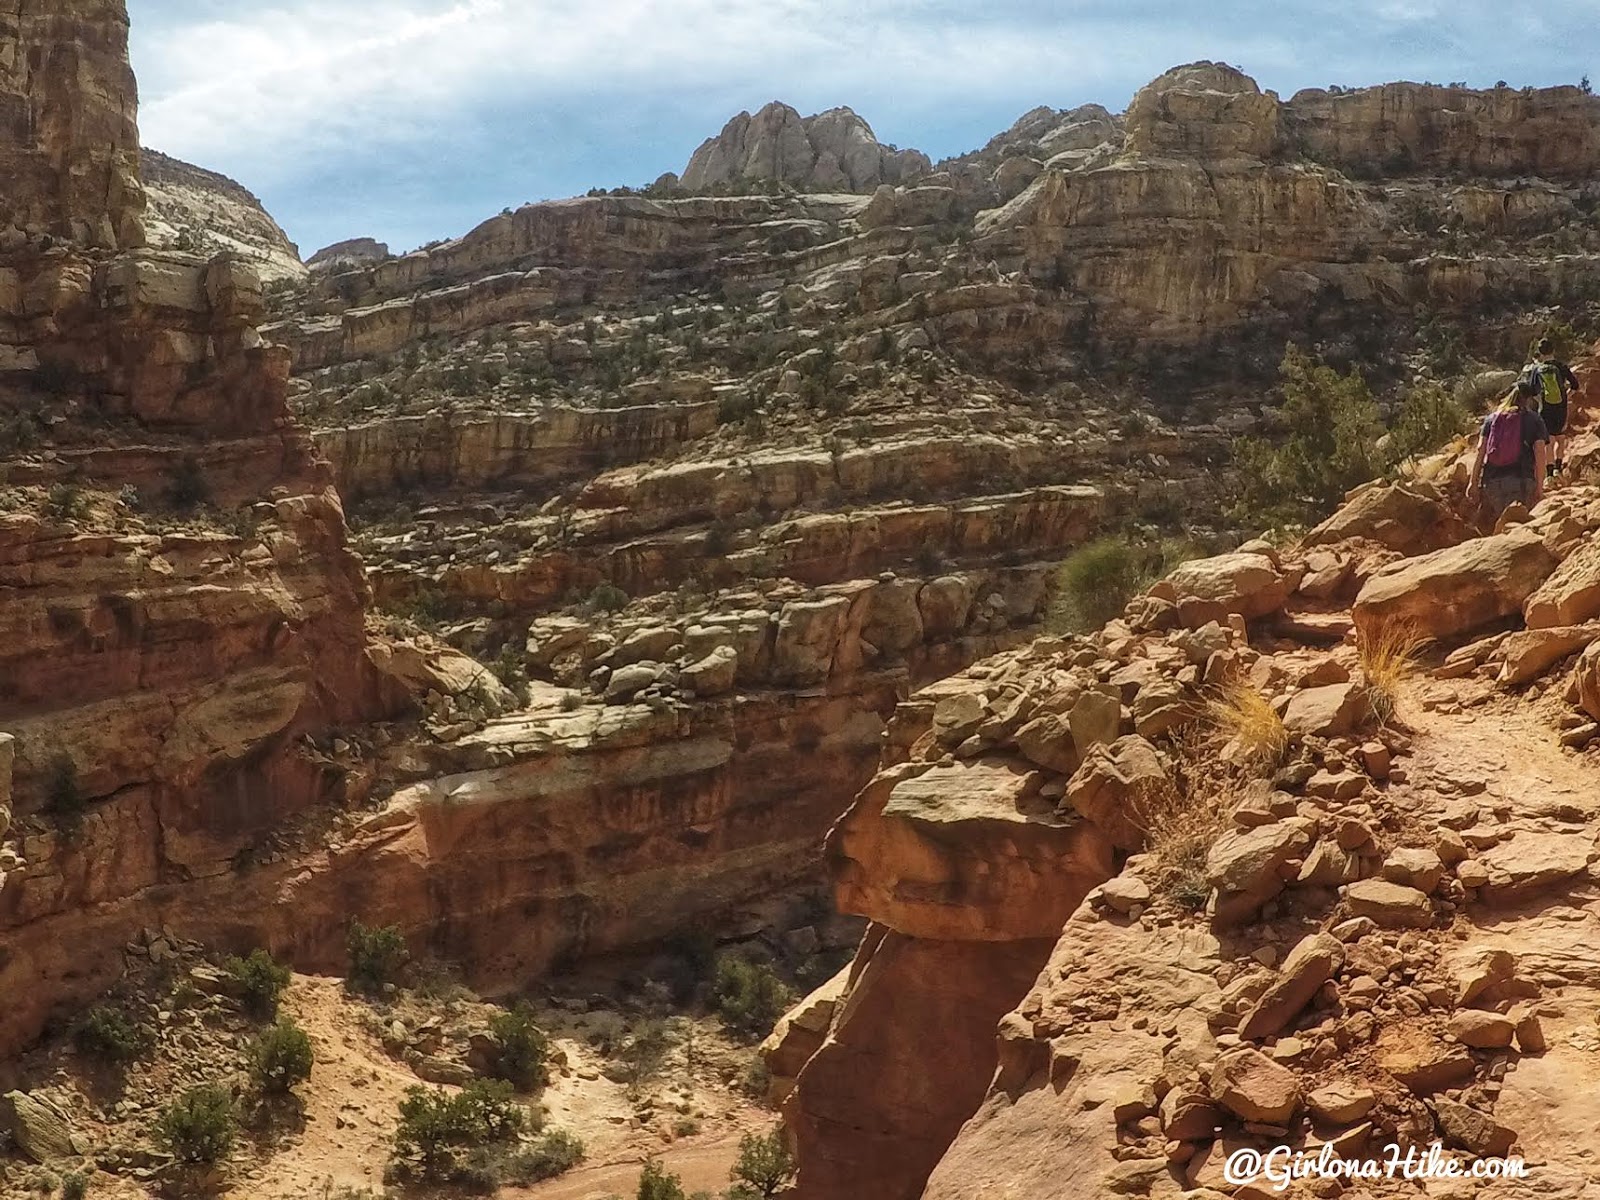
(1181, 822)
(1388, 659)
(1248, 719)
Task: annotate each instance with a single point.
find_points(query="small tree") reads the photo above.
(198, 1127)
(749, 996)
(765, 1165)
(377, 956)
(520, 1049)
(435, 1126)
(281, 1057)
(261, 980)
(657, 1183)
(1333, 430)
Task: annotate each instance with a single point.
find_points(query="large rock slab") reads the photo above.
(1391, 905)
(1571, 594)
(1313, 961)
(1408, 517)
(965, 851)
(1531, 862)
(1328, 711)
(1254, 1088)
(1529, 654)
(798, 1035)
(1208, 589)
(1118, 786)
(1246, 867)
(1457, 590)
(37, 1126)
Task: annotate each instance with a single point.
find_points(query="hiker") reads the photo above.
(1512, 452)
(1552, 382)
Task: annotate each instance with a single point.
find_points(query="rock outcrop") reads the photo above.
(833, 151)
(200, 211)
(1360, 937)
(71, 141)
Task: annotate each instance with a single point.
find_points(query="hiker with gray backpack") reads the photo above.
(1551, 382)
(1512, 455)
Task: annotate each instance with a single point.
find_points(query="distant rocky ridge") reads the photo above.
(834, 150)
(197, 210)
(353, 252)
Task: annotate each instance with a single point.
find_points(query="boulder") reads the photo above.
(1208, 589)
(1408, 517)
(1586, 681)
(1118, 786)
(1341, 1103)
(1313, 961)
(1457, 590)
(628, 682)
(1414, 867)
(714, 674)
(1188, 1114)
(1254, 1088)
(1470, 1129)
(1096, 718)
(37, 1126)
(798, 1035)
(956, 718)
(1047, 741)
(1529, 654)
(1482, 1030)
(1571, 595)
(1160, 706)
(1418, 1059)
(1329, 711)
(1530, 862)
(1389, 904)
(1125, 893)
(1246, 866)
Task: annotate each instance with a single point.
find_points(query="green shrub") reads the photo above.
(281, 1057)
(657, 1183)
(1429, 417)
(555, 1153)
(1095, 582)
(765, 1165)
(749, 996)
(66, 502)
(645, 1053)
(261, 981)
(187, 488)
(1333, 428)
(198, 1126)
(608, 597)
(108, 1033)
(377, 956)
(74, 1185)
(520, 1049)
(436, 1127)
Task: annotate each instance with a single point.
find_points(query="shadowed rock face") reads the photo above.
(69, 143)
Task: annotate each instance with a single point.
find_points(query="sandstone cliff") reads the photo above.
(192, 209)
(833, 151)
(1354, 919)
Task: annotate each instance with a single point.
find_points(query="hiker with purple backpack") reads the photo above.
(1512, 455)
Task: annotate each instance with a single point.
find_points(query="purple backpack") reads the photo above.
(1504, 439)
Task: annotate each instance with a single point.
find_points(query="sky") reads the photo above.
(412, 120)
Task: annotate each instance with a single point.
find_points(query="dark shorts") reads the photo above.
(1555, 417)
(1499, 491)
